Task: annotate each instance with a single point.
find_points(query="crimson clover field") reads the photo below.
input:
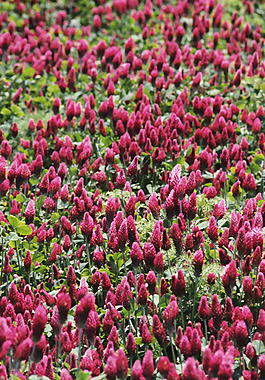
(132, 208)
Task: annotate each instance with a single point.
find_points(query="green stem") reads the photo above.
(206, 332)
(194, 298)
(88, 254)
(123, 255)
(79, 349)
(18, 259)
(173, 350)
(182, 314)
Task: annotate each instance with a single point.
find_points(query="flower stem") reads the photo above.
(88, 254)
(181, 312)
(206, 332)
(194, 298)
(79, 349)
(172, 349)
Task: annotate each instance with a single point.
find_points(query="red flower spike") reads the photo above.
(192, 207)
(195, 343)
(146, 335)
(148, 365)
(87, 226)
(27, 262)
(24, 349)
(159, 263)
(132, 169)
(71, 277)
(197, 262)
(39, 322)
(136, 255)
(30, 212)
(151, 281)
(170, 315)
(261, 321)
(111, 368)
(158, 331)
(178, 284)
(166, 244)
(64, 304)
(154, 206)
(130, 345)
(137, 372)
(121, 364)
(203, 309)
(216, 312)
(7, 267)
(212, 230)
(142, 296)
(185, 347)
(241, 333)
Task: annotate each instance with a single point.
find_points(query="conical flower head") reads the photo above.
(191, 184)
(64, 305)
(192, 207)
(148, 365)
(178, 284)
(87, 226)
(27, 261)
(153, 206)
(142, 295)
(122, 235)
(24, 349)
(212, 230)
(149, 254)
(121, 364)
(151, 281)
(195, 343)
(137, 372)
(170, 315)
(216, 311)
(136, 255)
(130, 344)
(159, 332)
(203, 309)
(261, 321)
(241, 333)
(121, 180)
(30, 212)
(132, 169)
(39, 322)
(159, 262)
(197, 262)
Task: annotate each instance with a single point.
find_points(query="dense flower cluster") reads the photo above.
(132, 190)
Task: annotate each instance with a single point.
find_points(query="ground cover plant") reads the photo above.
(132, 190)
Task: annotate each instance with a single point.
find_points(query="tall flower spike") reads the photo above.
(30, 212)
(87, 226)
(203, 309)
(39, 322)
(148, 365)
(212, 230)
(132, 169)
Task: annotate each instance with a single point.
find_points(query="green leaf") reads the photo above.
(23, 229)
(28, 72)
(13, 236)
(138, 340)
(203, 225)
(55, 217)
(5, 112)
(20, 198)
(16, 110)
(259, 347)
(13, 221)
(54, 89)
